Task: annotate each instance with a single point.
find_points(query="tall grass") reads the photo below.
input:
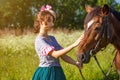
(18, 59)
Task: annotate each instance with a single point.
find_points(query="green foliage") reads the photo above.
(18, 59)
(16, 13)
(70, 13)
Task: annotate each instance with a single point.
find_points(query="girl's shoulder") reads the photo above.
(39, 39)
(44, 39)
(51, 36)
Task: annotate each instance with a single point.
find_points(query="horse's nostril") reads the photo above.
(79, 58)
(83, 57)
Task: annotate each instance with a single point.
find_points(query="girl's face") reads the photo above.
(49, 23)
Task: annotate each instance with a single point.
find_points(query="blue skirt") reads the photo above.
(49, 73)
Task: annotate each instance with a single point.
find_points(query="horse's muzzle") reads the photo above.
(84, 57)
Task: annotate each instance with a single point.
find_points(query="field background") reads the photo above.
(18, 59)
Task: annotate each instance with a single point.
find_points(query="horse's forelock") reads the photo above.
(92, 14)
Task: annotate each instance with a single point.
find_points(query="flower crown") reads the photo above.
(48, 8)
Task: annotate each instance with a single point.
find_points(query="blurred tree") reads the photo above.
(16, 14)
(70, 13)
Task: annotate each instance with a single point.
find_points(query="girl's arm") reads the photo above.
(68, 59)
(71, 61)
(61, 52)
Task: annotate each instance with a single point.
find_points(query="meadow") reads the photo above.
(18, 59)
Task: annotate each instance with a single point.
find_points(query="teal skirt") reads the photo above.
(49, 73)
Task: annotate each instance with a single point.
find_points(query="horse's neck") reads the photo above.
(116, 34)
(116, 42)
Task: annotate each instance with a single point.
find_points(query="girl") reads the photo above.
(48, 49)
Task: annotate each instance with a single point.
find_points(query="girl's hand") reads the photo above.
(78, 64)
(76, 43)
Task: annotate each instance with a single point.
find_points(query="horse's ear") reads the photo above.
(88, 8)
(105, 10)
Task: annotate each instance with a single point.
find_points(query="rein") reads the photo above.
(106, 26)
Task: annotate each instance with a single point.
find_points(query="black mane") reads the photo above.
(96, 11)
(115, 13)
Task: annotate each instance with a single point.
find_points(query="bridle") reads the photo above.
(105, 28)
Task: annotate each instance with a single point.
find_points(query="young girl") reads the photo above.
(48, 49)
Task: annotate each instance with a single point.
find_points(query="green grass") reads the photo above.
(18, 59)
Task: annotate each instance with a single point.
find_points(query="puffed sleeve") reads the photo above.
(57, 45)
(47, 50)
(42, 47)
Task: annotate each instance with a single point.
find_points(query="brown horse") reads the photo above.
(101, 27)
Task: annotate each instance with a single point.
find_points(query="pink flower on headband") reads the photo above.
(47, 7)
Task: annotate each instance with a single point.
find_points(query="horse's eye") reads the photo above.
(97, 28)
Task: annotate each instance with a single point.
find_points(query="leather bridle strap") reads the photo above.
(83, 78)
(106, 26)
(106, 77)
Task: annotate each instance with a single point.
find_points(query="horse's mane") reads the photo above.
(115, 13)
(96, 11)
(117, 16)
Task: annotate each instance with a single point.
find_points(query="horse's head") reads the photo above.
(97, 32)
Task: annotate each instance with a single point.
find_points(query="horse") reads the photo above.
(101, 27)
